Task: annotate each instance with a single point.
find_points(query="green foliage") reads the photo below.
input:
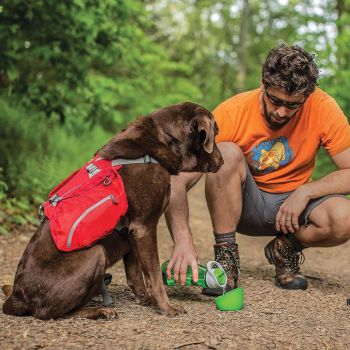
(21, 137)
(3, 230)
(84, 60)
(208, 36)
(16, 212)
(36, 158)
(3, 188)
(324, 165)
(338, 82)
(36, 155)
(68, 71)
(48, 48)
(73, 72)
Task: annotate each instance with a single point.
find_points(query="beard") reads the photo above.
(272, 119)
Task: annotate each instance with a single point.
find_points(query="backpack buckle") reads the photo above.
(55, 199)
(92, 169)
(147, 159)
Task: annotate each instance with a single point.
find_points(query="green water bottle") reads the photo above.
(211, 276)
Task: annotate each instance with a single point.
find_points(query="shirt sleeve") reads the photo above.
(334, 127)
(224, 123)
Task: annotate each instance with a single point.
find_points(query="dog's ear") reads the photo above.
(205, 128)
(166, 147)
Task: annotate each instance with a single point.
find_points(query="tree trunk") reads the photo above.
(242, 49)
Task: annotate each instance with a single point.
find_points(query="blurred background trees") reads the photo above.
(72, 72)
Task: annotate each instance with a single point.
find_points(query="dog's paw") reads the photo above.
(173, 311)
(146, 300)
(106, 314)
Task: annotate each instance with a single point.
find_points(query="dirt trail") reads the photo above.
(272, 318)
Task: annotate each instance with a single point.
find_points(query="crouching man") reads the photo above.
(269, 138)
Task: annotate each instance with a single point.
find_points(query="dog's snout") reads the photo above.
(216, 160)
(214, 168)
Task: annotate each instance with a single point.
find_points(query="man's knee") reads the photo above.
(234, 161)
(339, 218)
(334, 221)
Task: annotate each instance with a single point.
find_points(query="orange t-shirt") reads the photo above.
(282, 160)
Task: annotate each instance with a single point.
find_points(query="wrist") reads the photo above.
(183, 237)
(307, 191)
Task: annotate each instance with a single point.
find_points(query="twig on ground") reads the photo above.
(314, 278)
(187, 344)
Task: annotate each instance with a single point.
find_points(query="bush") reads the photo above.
(35, 157)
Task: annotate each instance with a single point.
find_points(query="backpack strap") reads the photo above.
(93, 169)
(142, 160)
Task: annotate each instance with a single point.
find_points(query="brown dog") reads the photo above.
(51, 284)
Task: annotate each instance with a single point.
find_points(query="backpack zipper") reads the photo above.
(105, 182)
(87, 212)
(64, 194)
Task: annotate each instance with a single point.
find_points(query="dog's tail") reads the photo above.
(7, 289)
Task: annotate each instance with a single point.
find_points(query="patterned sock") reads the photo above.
(229, 237)
(295, 242)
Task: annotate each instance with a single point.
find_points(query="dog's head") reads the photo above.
(181, 137)
(189, 130)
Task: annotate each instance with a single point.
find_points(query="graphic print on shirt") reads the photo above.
(270, 155)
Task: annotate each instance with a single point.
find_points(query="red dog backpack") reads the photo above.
(87, 205)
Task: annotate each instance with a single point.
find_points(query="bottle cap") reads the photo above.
(215, 276)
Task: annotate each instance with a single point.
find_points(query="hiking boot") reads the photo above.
(287, 261)
(226, 254)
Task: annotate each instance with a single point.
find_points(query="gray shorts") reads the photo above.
(260, 209)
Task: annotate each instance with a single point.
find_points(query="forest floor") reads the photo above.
(317, 318)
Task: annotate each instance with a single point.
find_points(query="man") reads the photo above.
(269, 138)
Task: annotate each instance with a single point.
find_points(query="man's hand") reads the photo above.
(183, 255)
(289, 212)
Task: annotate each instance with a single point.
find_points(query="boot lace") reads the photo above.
(292, 258)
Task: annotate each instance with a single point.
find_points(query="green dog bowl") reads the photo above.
(231, 301)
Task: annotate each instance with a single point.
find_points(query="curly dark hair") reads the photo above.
(290, 68)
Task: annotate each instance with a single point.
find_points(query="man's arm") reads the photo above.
(176, 215)
(337, 182)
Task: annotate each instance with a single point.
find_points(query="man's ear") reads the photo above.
(205, 128)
